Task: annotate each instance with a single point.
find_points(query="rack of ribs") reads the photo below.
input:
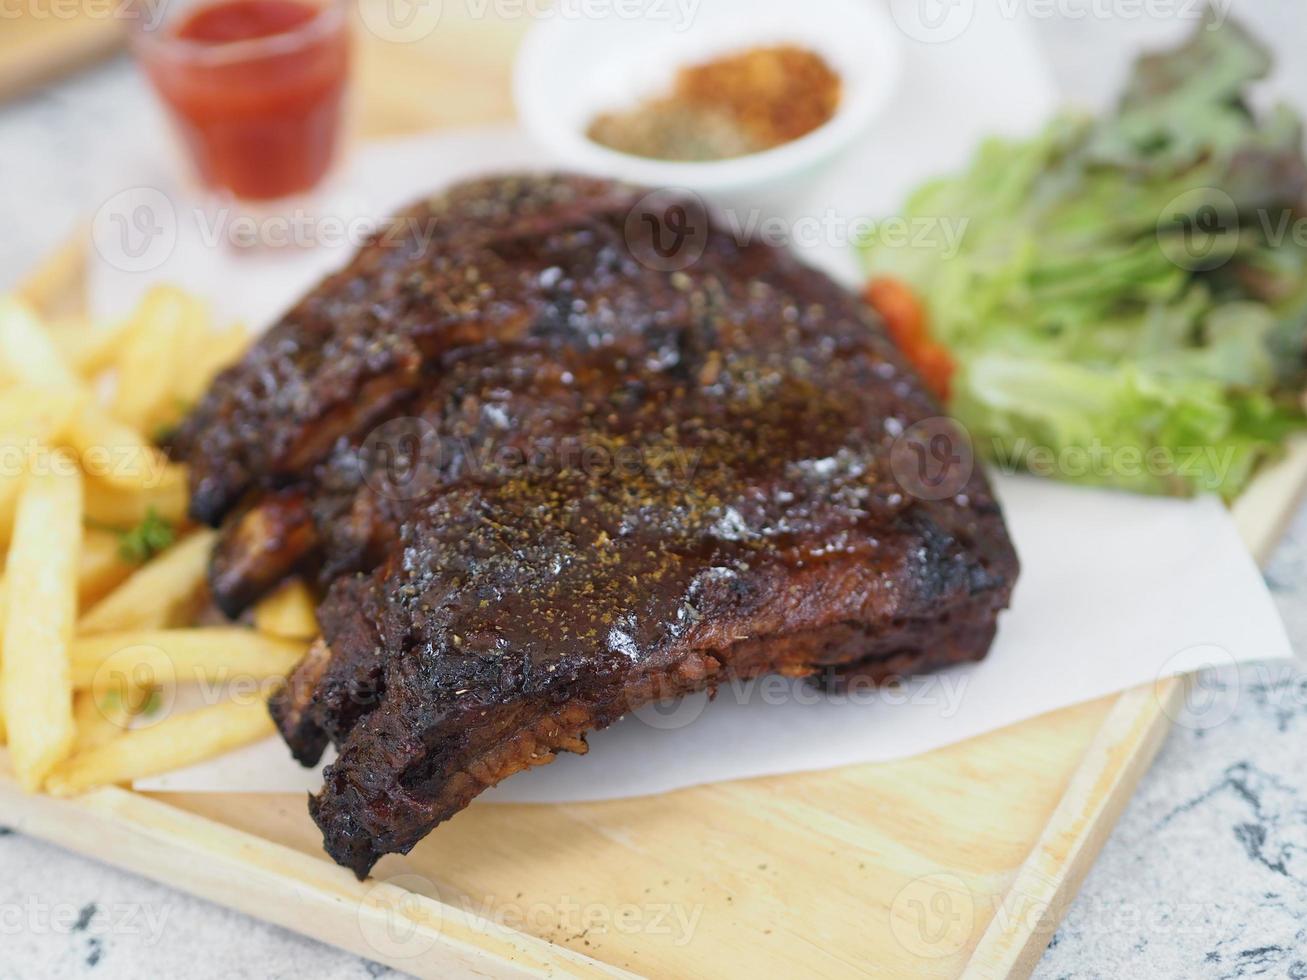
(543, 476)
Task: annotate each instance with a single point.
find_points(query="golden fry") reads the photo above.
(35, 413)
(4, 593)
(288, 612)
(99, 717)
(159, 594)
(101, 568)
(115, 507)
(175, 742)
(148, 358)
(27, 354)
(71, 689)
(41, 583)
(115, 454)
(211, 352)
(89, 348)
(179, 656)
(31, 418)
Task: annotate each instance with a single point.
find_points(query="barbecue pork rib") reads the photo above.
(544, 476)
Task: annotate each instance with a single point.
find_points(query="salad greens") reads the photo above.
(1128, 302)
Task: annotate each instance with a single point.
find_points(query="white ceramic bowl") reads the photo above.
(570, 69)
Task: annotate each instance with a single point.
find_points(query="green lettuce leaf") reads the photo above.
(1127, 302)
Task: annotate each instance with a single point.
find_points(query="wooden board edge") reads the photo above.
(1124, 748)
(1263, 512)
(379, 920)
(1030, 911)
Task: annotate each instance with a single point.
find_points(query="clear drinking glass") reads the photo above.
(256, 88)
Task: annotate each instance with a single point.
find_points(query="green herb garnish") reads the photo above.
(109, 701)
(146, 539)
(152, 703)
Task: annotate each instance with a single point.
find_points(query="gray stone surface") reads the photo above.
(1205, 876)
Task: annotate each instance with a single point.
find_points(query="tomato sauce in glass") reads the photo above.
(257, 88)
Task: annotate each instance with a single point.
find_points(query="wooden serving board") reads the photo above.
(959, 862)
(43, 39)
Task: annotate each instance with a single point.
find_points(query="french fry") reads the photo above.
(212, 351)
(27, 354)
(101, 567)
(69, 688)
(175, 742)
(149, 356)
(179, 656)
(41, 581)
(35, 412)
(288, 612)
(109, 450)
(88, 348)
(4, 594)
(115, 507)
(99, 716)
(29, 417)
(116, 454)
(158, 594)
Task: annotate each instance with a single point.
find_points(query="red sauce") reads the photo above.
(244, 20)
(261, 123)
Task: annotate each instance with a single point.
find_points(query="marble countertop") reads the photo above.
(1204, 876)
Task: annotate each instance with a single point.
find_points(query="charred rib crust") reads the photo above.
(623, 482)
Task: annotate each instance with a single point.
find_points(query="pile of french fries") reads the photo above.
(94, 624)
